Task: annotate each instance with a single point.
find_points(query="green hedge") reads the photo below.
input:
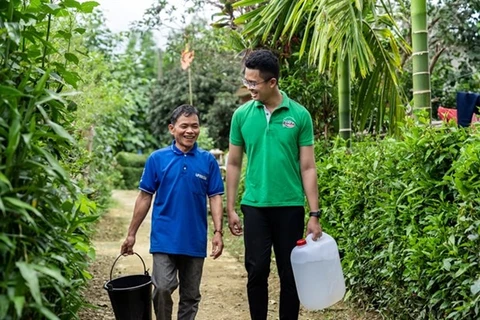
(131, 166)
(126, 159)
(406, 216)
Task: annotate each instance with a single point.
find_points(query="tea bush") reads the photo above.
(406, 216)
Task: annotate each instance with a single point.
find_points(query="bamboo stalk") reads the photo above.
(421, 74)
(344, 99)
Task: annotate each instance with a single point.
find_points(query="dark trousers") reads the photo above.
(279, 227)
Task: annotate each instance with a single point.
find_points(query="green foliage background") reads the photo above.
(215, 77)
(45, 210)
(406, 216)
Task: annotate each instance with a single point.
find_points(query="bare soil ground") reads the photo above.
(223, 283)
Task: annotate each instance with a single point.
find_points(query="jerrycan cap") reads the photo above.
(301, 242)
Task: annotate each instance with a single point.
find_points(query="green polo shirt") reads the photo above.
(272, 146)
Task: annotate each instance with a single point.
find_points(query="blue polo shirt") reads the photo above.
(181, 183)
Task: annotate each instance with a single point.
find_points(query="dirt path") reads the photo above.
(223, 283)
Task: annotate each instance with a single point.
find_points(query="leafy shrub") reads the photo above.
(45, 216)
(131, 166)
(133, 160)
(406, 215)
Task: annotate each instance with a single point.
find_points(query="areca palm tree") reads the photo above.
(352, 37)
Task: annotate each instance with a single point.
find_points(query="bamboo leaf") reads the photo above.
(47, 313)
(54, 164)
(13, 136)
(19, 302)
(60, 131)
(10, 92)
(31, 278)
(6, 241)
(5, 180)
(21, 206)
(4, 303)
(52, 272)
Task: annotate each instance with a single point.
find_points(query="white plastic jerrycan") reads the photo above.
(318, 272)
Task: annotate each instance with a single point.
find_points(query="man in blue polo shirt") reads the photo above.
(181, 176)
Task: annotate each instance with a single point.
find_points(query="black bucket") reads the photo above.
(131, 296)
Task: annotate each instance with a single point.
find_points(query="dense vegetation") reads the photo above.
(406, 215)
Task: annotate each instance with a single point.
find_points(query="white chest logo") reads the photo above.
(200, 176)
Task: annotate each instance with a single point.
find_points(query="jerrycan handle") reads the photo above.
(322, 239)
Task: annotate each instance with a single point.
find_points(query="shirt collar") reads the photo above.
(180, 152)
(284, 104)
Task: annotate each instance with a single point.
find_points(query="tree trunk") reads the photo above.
(344, 99)
(421, 74)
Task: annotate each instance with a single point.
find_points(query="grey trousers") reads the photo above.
(170, 271)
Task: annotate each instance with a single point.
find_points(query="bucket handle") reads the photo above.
(115, 262)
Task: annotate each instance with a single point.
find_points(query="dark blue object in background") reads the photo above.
(467, 104)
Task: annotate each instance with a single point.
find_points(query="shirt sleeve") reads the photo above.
(215, 183)
(236, 137)
(149, 181)
(306, 133)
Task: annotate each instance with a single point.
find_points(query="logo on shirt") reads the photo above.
(200, 176)
(289, 123)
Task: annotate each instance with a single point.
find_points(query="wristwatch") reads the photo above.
(316, 214)
(219, 231)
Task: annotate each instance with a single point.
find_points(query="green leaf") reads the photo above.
(13, 137)
(19, 204)
(31, 277)
(47, 313)
(461, 271)
(246, 3)
(80, 30)
(52, 7)
(54, 164)
(19, 302)
(447, 265)
(70, 78)
(71, 57)
(10, 92)
(60, 131)
(43, 80)
(52, 272)
(6, 240)
(475, 288)
(4, 304)
(72, 4)
(88, 6)
(13, 30)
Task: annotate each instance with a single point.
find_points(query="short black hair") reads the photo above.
(183, 110)
(265, 62)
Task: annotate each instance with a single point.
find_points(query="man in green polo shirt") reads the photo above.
(276, 133)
